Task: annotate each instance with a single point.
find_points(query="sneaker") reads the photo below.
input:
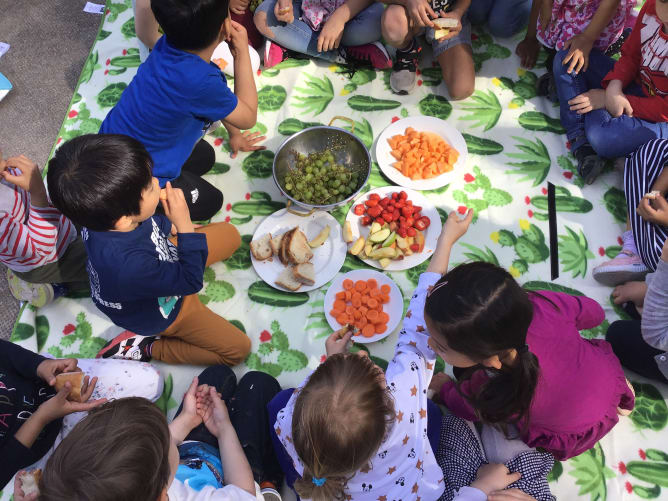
(590, 164)
(273, 54)
(371, 54)
(128, 346)
(404, 71)
(626, 267)
(38, 295)
(546, 87)
(271, 494)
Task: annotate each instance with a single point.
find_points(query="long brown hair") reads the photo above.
(340, 419)
(119, 452)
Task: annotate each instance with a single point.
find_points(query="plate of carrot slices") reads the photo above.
(367, 300)
(421, 153)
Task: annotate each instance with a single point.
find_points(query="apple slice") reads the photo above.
(419, 239)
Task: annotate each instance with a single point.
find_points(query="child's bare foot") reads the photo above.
(630, 291)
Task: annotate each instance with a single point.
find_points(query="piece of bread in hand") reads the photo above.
(305, 273)
(444, 24)
(288, 281)
(260, 248)
(30, 482)
(299, 251)
(75, 379)
(652, 195)
(276, 244)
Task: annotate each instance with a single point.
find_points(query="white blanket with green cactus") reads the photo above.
(516, 146)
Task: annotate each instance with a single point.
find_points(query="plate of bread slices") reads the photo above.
(298, 253)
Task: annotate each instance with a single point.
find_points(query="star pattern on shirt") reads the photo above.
(415, 488)
(419, 464)
(413, 344)
(430, 366)
(413, 391)
(423, 413)
(382, 498)
(278, 431)
(409, 314)
(391, 470)
(406, 439)
(400, 416)
(420, 328)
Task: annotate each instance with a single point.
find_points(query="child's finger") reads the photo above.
(469, 216)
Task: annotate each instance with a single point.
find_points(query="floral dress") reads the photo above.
(316, 12)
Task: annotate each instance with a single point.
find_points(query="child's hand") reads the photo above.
(239, 6)
(664, 254)
(246, 141)
(331, 33)
(655, 211)
(591, 100)
(50, 368)
(28, 178)
(190, 410)
(421, 13)
(510, 495)
(494, 477)
(455, 228)
(616, 102)
(58, 405)
(284, 12)
(438, 380)
(528, 50)
(338, 341)
(452, 32)
(18, 489)
(176, 209)
(214, 414)
(579, 48)
(237, 40)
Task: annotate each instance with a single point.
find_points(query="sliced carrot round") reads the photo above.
(342, 319)
(374, 293)
(385, 289)
(371, 283)
(356, 295)
(384, 298)
(369, 330)
(349, 295)
(363, 321)
(356, 303)
(360, 286)
(348, 284)
(380, 328)
(365, 299)
(372, 303)
(339, 305)
(349, 310)
(363, 310)
(384, 317)
(341, 295)
(372, 315)
(357, 315)
(358, 324)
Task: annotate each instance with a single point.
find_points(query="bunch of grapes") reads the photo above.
(317, 179)
(254, 4)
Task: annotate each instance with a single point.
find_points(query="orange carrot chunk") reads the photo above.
(369, 330)
(380, 328)
(385, 289)
(348, 284)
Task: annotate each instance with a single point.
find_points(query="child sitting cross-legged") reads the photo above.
(211, 451)
(144, 280)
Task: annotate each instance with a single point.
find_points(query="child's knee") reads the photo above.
(458, 86)
(237, 348)
(260, 20)
(599, 139)
(394, 25)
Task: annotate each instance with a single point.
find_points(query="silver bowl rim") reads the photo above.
(327, 206)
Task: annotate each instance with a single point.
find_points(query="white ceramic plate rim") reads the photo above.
(422, 124)
(394, 308)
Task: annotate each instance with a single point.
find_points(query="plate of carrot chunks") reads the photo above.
(366, 299)
(421, 153)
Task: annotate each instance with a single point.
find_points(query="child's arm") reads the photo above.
(332, 31)
(454, 229)
(529, 48)
(655, 308)
(217, 420)
(146, 25)
(244, 115)
(189, 418)
(580, 45)
(243, 141)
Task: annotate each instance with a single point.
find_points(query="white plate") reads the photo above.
(327, 259)
(394, 308)
(421, 124)
(222, 51)
(431, 235)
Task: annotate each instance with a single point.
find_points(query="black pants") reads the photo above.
(204, 199)
(633, 352)
(247, 404)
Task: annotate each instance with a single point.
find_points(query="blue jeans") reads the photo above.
(298, 36)
(610, 137)
(434, 418)
(504, 17)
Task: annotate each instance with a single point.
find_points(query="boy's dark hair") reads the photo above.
(119, 451)
(190, 24)
(482, 311)
(96, 179)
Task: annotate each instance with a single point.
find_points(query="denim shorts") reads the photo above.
(439, 48)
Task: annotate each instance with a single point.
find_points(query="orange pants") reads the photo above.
(199, 336)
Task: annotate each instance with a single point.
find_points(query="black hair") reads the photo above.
(96, 179)
(481, 311)
(190, 24)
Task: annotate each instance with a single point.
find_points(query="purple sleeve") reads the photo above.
(456, 402)
(585, 312)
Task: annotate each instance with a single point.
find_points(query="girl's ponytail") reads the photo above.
(480, 311)
(320, 488)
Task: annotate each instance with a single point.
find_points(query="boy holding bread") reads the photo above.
(145, 269)
(41, 399)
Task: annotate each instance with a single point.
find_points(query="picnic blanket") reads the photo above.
(516, 146)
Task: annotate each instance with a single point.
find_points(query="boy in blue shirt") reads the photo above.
(139, 278)
(178, 93)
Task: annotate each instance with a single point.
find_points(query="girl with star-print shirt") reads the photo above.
(353, 432)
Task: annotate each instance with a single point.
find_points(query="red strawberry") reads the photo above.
(228, 207)
(527, 200)
(69, 329)
(530, 213)
(72, 114)
(544, 190)
(415, 247)
(218, 141)
(125, 52)
(622, 467)
(462, 209)
(629, 487)
(469, 178)
(601, 251)
(395, 119)
(265, 336)
(227, 219)
(642, 454)
(247, 196)
(411, 232)
(568, 175)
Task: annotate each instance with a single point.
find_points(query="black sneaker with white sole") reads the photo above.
(590, 164)
(128, 346)
(404, 70)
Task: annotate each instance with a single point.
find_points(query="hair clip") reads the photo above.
(318, 481)
(436, 287)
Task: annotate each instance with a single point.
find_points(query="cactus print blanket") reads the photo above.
(516, 146)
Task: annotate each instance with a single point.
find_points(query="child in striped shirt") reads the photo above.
(39, 245)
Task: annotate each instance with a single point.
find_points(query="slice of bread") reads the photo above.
(288, 281)
(305, 273)
(75, 379)
(276, 244)
(30, 482)
(299, 251)
(445, 24)
(283, 249)
(261, 248)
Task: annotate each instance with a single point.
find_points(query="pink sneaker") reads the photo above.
(273, 54)
(371, 53)
(626, 267)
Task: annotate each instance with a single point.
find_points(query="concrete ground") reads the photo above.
(49, 45)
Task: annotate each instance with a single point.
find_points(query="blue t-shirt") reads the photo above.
(199, 466)
(138, 278)
(168, 106)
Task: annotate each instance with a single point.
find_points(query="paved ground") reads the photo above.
(49, 44)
